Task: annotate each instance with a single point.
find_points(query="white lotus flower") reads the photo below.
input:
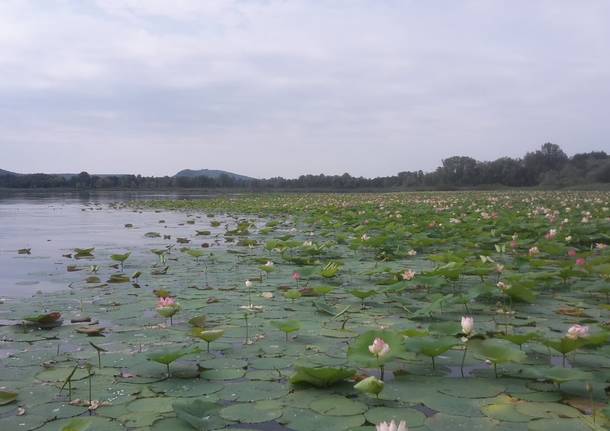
(392, 426)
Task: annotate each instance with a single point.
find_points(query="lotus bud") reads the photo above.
(370, 385)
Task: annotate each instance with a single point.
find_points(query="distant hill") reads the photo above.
(3, 172)
(210, 173)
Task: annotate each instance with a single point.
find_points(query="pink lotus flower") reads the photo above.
(551, 234)
(467, 325)
(581, 261)
(578, 331)
(572, 252)
(392, 426)
(166, 302)
(379, 347)
(533, 251)
(296, 276)
(408, 275)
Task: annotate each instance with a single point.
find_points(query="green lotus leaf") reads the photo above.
(196, 253)
(371, 385)
(169, 311)
(47, 318)
(197, 321)
(520, 339)
(292, 294)
(7, 397)
(565, 345)
(324, 307)
(200, 415)
(521, 293)
(561, 375)
(119, 278)
(287, 326)
(166, 357)
(209, 335)
(320, 377)
(77, 425)
(322, 290)
(330, 270)
(497, 351)
(363, 294)
(120, 257)
(430, 346)
(445, 328)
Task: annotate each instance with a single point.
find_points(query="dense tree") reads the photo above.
(548, 166)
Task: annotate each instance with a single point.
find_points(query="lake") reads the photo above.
(53, 224)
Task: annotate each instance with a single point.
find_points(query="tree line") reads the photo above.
(548, 166)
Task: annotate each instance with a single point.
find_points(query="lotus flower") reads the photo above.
(578, 331)
(467, 325)
(601, 245)
(267, 295)
(551, 234)
(269, 264)
(533, 251)
(166, 302)
(502, 286)
(365, 237)
(385, 426)
(296, 276)
(379, 348)
(572, 252)
(248, 284)
(411, 253)
(408, 275)
(581, 261)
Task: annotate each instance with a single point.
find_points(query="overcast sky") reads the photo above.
(286, 87)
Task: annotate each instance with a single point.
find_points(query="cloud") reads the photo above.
(285, 87)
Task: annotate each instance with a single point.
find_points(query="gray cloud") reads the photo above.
(285, 87)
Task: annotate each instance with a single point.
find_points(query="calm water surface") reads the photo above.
(53, 224)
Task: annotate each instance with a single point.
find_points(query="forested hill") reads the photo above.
(548, 166)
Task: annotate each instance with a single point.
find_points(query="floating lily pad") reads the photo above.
(336, 405)
(251, 413)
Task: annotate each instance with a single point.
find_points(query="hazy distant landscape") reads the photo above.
(547, 167)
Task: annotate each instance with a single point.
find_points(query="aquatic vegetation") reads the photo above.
(443, 310)
(121, 258)
(371, 385)
(207, 335)
(321, 377)
(287, 326)
(392, 426)
(7, 397)
(167, 307)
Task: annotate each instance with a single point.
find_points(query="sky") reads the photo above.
(287, 87)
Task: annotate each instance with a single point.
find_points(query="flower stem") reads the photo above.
(463, 359)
